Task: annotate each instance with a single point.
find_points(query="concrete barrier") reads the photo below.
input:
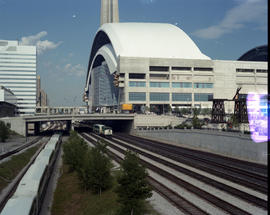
(235, 145)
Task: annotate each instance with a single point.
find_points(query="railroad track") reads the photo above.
(173, 197)
(259, 205)
(248, 174)
(14, 151)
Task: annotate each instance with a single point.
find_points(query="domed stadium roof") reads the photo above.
(259, 53)
(155, 40)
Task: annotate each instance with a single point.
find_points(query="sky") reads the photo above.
(63, 31)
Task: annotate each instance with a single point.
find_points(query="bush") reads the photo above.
(4, 131)
(95, 173)
(74, 151)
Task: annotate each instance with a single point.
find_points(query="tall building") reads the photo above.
(109, 11)
(42, 99)
(18, 73)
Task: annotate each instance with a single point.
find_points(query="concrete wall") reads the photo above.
(236, 145)
(153, 120)
(17, 124)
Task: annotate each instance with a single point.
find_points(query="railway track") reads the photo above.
(14, 151)
(259, 205)
(247, 174)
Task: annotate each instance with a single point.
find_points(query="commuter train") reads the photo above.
(30, 192)
(102, 130)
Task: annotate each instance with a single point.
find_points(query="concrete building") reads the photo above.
(8, 102)
(159, 66)
(109, 11)
(18, 73)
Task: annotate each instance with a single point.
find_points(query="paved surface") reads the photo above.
(13, 143)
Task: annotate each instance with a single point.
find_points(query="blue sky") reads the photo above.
(63, 31)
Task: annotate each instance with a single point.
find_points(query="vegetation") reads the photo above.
(4, 131)
(70, 198)
(10, 169)
(75, 150)
(133, 187)
(91, 164)
(122, 191)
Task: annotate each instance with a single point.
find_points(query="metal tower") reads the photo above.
(109, 11)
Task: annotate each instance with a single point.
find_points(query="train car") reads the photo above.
(102, 130)
(30, 192)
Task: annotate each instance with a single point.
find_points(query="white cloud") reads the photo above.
(42, 45)
(246, 11)
(77, 70)
(74, 16)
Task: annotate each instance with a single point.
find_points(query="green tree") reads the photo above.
(95, 172)
(133, 187)
(4, 131)
(74, 151)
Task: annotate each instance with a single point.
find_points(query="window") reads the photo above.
(160, 84)
(181, 97)
(159, 97)
(137, 84)
(136, 76)
(202, 97)
(135, 96)
(159, 76)
(203, 69)
(244, 70)
(203, 85)
(181, 68)
(159, 68)
(262, 70)
(181, 85)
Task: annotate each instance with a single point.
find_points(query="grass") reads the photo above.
(70, 199)
(10, 169)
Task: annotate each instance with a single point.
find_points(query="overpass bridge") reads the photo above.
(24, 124)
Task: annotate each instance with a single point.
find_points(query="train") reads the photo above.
(30, 192)
(102, 130)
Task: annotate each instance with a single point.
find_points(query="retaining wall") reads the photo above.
(236, 145)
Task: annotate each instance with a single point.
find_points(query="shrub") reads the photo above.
(4, 131)
(133, 187)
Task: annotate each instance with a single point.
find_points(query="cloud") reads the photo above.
(74, 16)
(246, 12)
(148, 1)
(42, 45)
(77, 70)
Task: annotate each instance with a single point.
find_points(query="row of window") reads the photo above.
(167, 84)
(177, 68)
(162, 97)
(252, 70)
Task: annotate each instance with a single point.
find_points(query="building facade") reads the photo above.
(8, 102)
(163, 68)
(18, 73)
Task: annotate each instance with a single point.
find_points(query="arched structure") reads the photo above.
(160, 67)
(140, 40)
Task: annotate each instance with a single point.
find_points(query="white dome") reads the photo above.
(153, 40)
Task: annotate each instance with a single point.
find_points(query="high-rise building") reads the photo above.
(109, 11)
(18, 73)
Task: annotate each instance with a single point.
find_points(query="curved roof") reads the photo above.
(155, 40)
(259, 53)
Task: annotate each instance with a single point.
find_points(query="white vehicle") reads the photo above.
(102, 130)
